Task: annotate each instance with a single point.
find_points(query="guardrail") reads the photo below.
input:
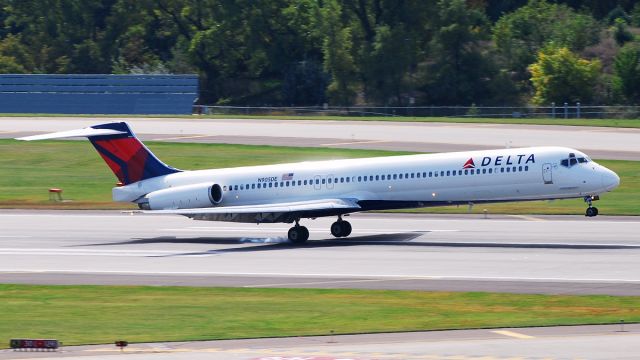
(560, 111)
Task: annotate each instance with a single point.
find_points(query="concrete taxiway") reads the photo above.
(571, 342)
(551, 254)
(598, 142)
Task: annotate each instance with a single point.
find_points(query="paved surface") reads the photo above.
(608, 143)
(564, 255)
(575, 342)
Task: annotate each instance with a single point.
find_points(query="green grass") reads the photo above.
(101, 314)
(619, 123)
(30, 169)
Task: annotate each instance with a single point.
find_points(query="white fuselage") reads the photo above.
(387, 182)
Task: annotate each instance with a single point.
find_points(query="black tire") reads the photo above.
(596, 211)
(346, 229)
(337, 229)
(591, 212)
(304, 232)
(298, 235)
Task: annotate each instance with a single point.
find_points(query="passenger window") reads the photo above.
(406, 176)
(253, 186)
(501, 170)
(329, 180)
(341, 180)
(365, 179)
(241, 187)
(412, 175)
(526, 168)
(400, 176)
(520, 168)
(490, 171)
(472, 171)
(317, 181)
(395, 176)
(359, 178)
(348, 179)
(370, 177)
(453, 173)
(281, 184)
(335, 181)
(508, 169)
(418, 175)
(276, 184)
(305, 182)
(430, 174)
(287, 183)
(224, 188)
(324, 181)
(466, 172)
(377, 177)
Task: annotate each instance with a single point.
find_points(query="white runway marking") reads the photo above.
(356, 143)
(513, 334)
(182, 137)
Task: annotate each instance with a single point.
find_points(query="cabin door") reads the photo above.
(547, 175)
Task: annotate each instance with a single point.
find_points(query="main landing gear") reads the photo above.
(298, 234)
(591, 210)
(340, 228)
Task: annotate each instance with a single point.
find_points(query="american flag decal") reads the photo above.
(286, 177)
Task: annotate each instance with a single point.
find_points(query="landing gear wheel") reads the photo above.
(346, 229)
(591, 212)
(298, 234)
(340, 228)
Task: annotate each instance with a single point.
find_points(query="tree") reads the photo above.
(461, 73)
(521, 34)
(627, 73)
(560, 76)
(338, 59)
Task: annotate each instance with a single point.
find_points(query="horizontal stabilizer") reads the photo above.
(86, 132)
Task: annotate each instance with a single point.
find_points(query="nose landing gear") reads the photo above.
(591, 210)
(340, 228)
(298, 234)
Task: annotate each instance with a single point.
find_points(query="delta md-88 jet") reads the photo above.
(287, 193)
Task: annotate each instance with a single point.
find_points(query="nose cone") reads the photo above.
(610, 180)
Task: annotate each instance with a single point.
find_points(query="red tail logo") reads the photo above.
(469, 164)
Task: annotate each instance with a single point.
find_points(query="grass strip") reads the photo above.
(101, 314)
(29, 169)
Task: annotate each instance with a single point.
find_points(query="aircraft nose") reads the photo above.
(610, 180)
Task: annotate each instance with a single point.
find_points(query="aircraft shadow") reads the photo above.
(255, 244)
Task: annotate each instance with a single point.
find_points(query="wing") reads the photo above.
(286, 212)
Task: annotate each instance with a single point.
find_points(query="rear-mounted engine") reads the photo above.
(183, 197)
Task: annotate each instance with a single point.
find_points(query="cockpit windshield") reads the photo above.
(574, 160)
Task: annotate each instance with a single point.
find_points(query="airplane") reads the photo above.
(287, 193)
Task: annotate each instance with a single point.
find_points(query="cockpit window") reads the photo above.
(573, 160)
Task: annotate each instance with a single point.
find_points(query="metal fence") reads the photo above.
(564, 111)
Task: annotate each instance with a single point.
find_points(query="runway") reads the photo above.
(598, 142)
(550, 254)
(568, 342)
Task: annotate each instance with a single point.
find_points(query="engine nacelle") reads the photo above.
(183, 197)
